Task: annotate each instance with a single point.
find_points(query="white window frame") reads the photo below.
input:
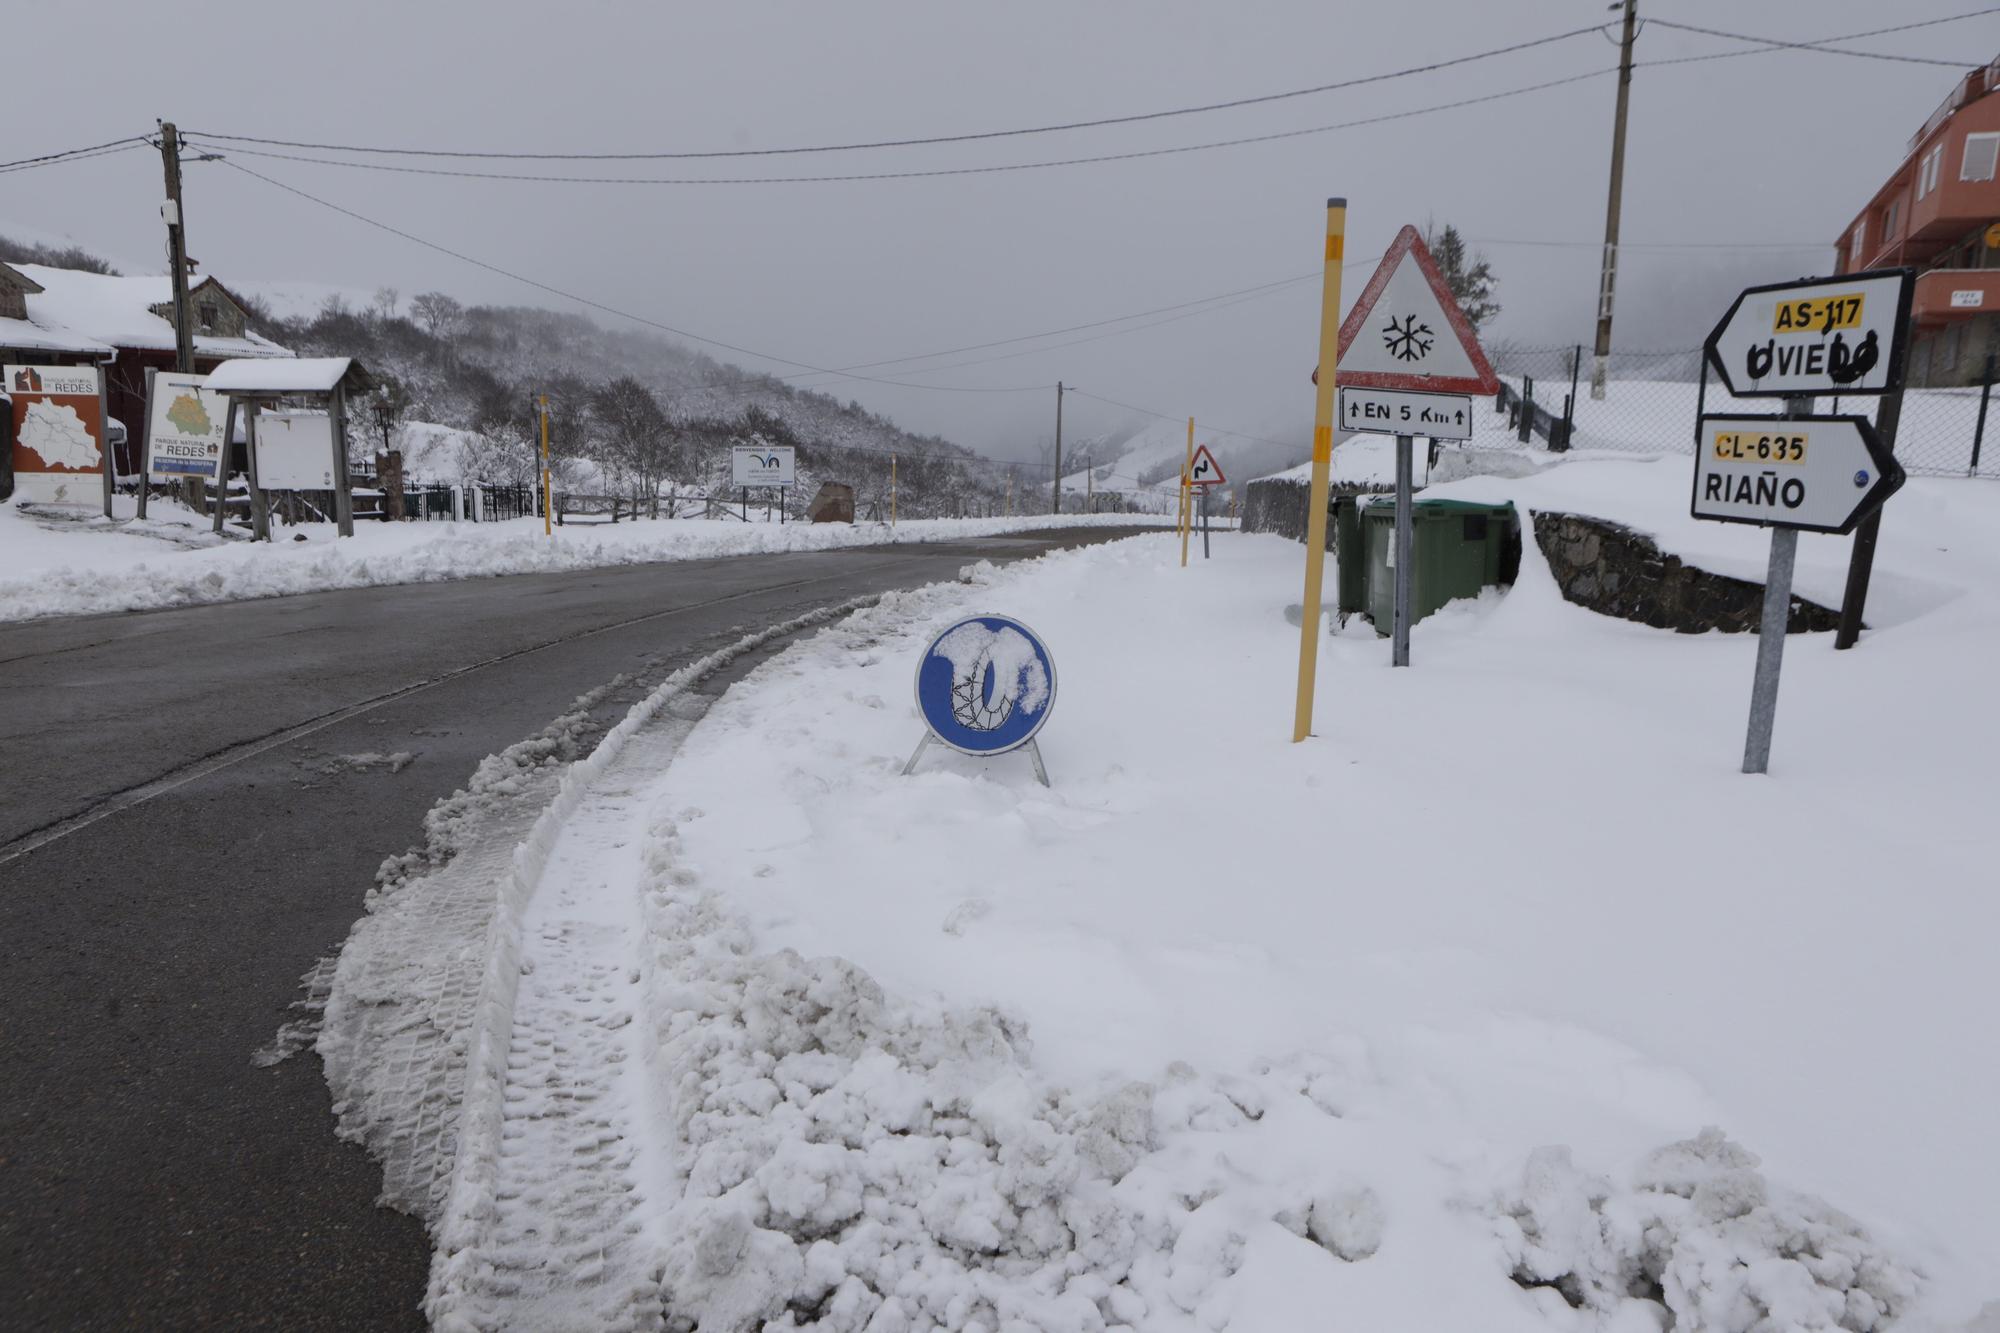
(1990, 142)
(1860, 239)
(1929, 170)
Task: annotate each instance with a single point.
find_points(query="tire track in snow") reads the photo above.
(446, 1043)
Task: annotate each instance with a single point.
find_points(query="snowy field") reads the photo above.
(75, 562)
(1505, 1003)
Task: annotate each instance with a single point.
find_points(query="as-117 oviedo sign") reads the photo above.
(1841, 335)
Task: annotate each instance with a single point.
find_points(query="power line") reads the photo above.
(1164, 416)
(609, 309)
(932, 172)
(913, 142)
(1823, 44)
(71, 152)
(74, 155)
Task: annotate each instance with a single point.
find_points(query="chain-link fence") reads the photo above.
(1652, 398)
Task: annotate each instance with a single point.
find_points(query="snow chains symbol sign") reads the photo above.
(1406, 339)
(986, 685)
(1861, 478)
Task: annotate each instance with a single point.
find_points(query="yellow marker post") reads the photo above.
(1322, 459)
(548, 529)
(1187, 494)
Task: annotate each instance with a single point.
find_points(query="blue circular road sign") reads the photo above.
(986, 685)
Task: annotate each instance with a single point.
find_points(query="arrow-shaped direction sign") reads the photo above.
(1816, 473)
(1441, 416)
(1204, 470)
(1839, 335)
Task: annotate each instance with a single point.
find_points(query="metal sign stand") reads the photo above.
(1033, 747)
(1771, 629)
(1204, 522)
(146, 444)
(1400, 652)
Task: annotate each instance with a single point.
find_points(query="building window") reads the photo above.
(1927, 171)
(1890, 220)
(1854, 245)
(1982, 152)
(208, 314)
(1953, 337)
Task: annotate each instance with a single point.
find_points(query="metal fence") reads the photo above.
(1653, 397)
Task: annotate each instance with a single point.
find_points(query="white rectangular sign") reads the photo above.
(1819, 473)
(1962, 300)
(185, 425)
(1440, 416)
(1828, 335)
(761, 465)
(294, 451)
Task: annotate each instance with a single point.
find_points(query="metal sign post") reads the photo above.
(985, 686)
(146, 444)
(1399, 654)
(1843, 335)
(1792, 473)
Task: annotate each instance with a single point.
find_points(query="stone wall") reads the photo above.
(1282, 505)
(1618, 572)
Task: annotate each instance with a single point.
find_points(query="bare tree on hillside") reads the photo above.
(637, 440)
(386, 301)
(439, 314)
(380, 415)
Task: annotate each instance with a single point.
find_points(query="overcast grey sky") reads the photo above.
(1768, 148)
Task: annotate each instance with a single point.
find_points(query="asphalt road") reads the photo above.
(181, 839)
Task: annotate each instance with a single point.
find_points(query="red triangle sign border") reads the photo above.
(1409, 241)
(1201, 455)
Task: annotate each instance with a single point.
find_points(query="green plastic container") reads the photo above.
(1457, 548)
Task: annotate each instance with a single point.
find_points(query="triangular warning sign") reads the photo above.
(1406, 332)
(1204, 470)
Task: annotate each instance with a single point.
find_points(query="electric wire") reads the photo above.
(926, 140)
(609, 309)
(74, 155)
(1823, 44)
(930, 173)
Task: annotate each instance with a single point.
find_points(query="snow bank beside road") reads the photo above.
(1227, 1031)
(57, 565)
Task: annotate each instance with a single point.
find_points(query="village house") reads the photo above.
(60, 316)
(1939, 211)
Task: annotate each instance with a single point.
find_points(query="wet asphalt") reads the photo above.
(185, 829)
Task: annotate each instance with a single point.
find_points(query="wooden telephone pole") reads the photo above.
(1607, 278)
(177, 268)
(1057, 489)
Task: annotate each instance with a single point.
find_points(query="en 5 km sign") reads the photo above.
(1816, 473)
(1841, 335)
(1441, 416)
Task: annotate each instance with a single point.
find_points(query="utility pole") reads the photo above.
(1057, 510)
(170, 154)
(177, 268)
(1607, 278)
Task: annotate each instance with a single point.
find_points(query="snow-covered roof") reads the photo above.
(97, 312)
(305, 374)
(32, 337)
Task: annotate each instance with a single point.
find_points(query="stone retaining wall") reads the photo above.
(1615, 571)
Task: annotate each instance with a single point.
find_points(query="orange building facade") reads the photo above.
(1939, 212)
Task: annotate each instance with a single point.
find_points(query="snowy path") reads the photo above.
(564, 1248)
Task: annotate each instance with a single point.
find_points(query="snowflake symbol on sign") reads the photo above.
(1406, 339)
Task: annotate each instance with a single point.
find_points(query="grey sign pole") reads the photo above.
(146, 443)
(1771, 628)
(1770, 649)
(1204, 522)
(1400, 652)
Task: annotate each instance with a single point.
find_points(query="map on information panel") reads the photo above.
(54, 433)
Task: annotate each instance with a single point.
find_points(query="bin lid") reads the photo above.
(1442, 508)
